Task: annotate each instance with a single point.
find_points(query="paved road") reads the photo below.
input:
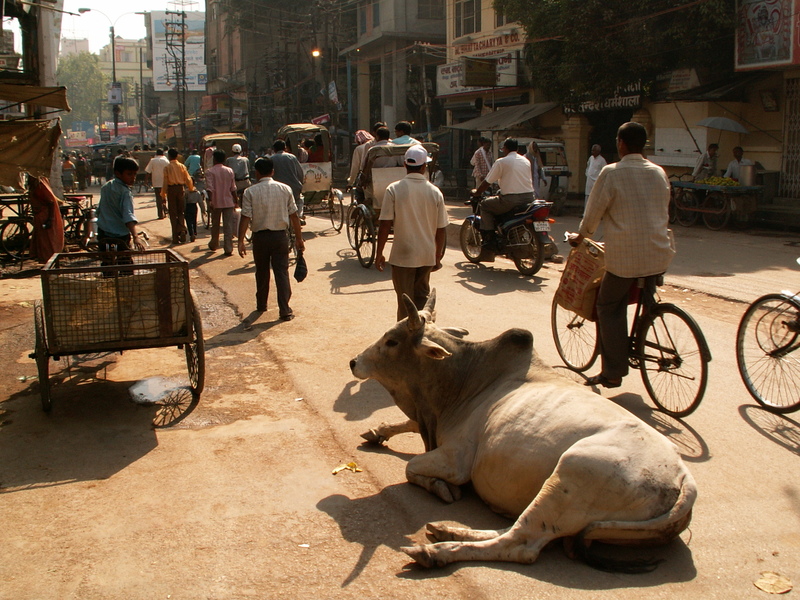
(245, 480)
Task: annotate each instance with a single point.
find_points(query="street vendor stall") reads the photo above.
(716, 203)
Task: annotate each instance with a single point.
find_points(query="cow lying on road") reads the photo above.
(537, 446)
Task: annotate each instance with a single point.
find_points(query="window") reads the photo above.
(467, 17)
(430, 9)
(369, 12)
(500, 19)
(376, 13)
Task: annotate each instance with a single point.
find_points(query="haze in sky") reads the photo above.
(127, 24)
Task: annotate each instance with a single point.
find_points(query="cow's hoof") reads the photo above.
(421, 555)
(373, 437)
(439, 532)
(446, 491)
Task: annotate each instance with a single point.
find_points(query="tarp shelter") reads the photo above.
(27, 146)
(507, 118)
(54, 97)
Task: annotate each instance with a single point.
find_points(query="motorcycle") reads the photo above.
(521, 234)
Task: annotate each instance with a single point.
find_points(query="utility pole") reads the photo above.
(175, 33)
(141, 94)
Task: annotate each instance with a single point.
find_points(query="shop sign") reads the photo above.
(628, 97)
(767, 34)
(449, 77)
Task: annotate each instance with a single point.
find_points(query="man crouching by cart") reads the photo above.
(116, 221)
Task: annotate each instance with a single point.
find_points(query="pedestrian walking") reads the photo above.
(287, 169)
(594, 165)
(268, 208)
(176, 177)
(241, 168)
(414, 207)
(221, 189)
(481, 161)
(155, 169)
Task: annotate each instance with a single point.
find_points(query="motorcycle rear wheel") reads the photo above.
(530, 264)
(470, 238)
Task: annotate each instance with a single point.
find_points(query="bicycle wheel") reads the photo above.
(87, 240)
(765, 352)
(40, 353)
(15, 237)
(575, 338)
(336, 211)
(717, 202)
(195, 351)
(672, 210)
(364, 236)
(673, 358)
(686, 216)
(470, 239)
(292, 241)
(350, 222)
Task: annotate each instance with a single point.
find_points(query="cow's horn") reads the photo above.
(414, 321)
(428, 311)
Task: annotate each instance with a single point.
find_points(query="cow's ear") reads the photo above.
(458, 332)
(432, 350)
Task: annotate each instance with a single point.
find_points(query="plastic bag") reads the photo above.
(580, 282)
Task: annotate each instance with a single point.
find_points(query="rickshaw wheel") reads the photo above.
(41, 356)
(195, 351)
(365, 239)
(337, 211)
(352, 213)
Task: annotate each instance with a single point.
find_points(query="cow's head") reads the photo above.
(404, 345)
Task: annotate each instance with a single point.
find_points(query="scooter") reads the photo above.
(521, 234)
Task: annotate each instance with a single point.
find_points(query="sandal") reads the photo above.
(602, 380)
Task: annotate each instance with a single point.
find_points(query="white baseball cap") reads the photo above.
(417, 156)
(236, 148)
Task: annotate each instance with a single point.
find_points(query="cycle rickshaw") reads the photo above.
(383, 165)
(319, 195)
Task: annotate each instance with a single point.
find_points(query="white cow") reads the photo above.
(537, 446)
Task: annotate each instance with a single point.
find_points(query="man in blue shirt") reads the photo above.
(116, 222)
(402, 133)
(193, 163)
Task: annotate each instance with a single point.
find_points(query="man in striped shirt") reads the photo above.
(631, 198)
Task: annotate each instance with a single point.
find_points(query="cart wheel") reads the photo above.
(686, 204)
(195, 351)
(41, 356)
(718, 203)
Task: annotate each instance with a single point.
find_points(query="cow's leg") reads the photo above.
(441, 472)
(384, 431)
(441, 532)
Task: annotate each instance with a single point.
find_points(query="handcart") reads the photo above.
(716, 203)
(115, 301)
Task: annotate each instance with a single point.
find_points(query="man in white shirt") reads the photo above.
(631, 198)
(513, 173)
(481, 161)
(594, 165)
(155, 169)
(268, 208)
(415, 208)
(707, 163)
(738, 161)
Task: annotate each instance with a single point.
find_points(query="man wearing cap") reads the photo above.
(513, 173)
(415, 208)
(241, 168)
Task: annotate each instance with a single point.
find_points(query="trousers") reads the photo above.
(176, 204)
(271, 249)
(497, 205)
(414, 282)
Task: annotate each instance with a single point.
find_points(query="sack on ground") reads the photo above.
(580, 281)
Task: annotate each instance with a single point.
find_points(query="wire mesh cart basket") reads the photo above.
(111, 302)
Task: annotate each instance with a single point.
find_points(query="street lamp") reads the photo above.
(114, 84)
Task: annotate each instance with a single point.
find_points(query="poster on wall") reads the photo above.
(175, 38)
(767, 34)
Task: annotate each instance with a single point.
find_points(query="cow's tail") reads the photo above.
(658, 530)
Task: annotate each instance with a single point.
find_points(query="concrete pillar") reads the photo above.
(576, 144)
(644, 118)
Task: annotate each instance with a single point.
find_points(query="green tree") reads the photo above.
(86, 85)
(587, 49)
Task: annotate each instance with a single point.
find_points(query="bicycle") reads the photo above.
(665, 344)
(80, 222)
(768, 335)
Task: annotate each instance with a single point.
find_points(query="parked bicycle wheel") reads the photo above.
(365, 240)
(336, 211)
(15, 238)
(674, 358)
(718, 203)
(575, 338)
(688, 200)
(765, 352)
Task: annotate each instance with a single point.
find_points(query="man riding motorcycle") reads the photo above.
(513, 174)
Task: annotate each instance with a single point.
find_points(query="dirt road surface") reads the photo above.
(235, 497)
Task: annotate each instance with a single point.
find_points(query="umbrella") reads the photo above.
(723, 124)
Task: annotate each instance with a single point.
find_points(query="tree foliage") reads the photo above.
(86, 85)
(587, 49)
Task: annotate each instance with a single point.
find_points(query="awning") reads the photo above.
(27, 146)
(732, 89)
(505, 118)
(54, 97)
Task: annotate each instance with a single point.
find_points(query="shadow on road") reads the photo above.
(779, 429)
(361, 399)
(489, 280)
